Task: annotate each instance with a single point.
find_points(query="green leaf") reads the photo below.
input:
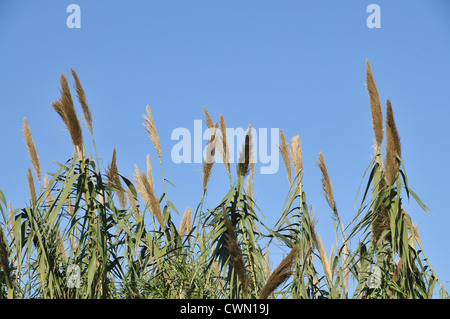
(91, 272)
(171, 205)
(422, 205)
(129, 185)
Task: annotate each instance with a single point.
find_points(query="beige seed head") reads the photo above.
(296, 154)
(114, 178)
(154, 202)
(397, 271)
(312, 224)
(325, 261)
(82, 100)
(225, 147)
(31, 149)
(280, 274)
(346, 263)
(185, 225)
(64, 107)
(151, 130)
(208, 120)
(393, 149)
(236, 253)
(248, 191)
(380, 223)
(208, 161)
(285, 155)
(326, 183)
(149, 171)
(140, 187)
(375, 106)
(132, 202)
(112, 169)
(31, 186)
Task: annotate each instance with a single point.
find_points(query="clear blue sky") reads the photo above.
(295, 65)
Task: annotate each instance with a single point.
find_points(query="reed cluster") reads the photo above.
(120, 231)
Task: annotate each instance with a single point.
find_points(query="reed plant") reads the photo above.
(121, 235)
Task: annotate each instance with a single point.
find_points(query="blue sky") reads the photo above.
(295, 65)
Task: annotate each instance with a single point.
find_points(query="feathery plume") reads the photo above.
(236, 253)
(111, 171)
(154, 202)
(326, 183)
(280, 274)
(149, 171)
(208, 160)
(31, 149)
(331, 254)
(151, 130)
(132, 202)
(64, 107)
(346, 263)
(284, 153)
(296, 154)
(31, 186)
(375, 106)
(82, 100)
(209, 123)
(185, 225)
(380, 223)
(113, 176)
(225, 147)
(328, 191)
(393, 149)
(248, 191)
(323, 257)
(398, 268)
(140, 186)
